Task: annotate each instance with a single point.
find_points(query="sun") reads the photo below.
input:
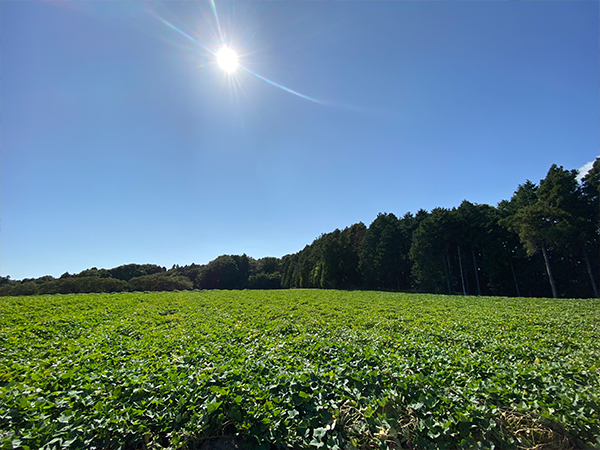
(227, 59)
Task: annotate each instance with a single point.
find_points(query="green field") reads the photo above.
(298, 369)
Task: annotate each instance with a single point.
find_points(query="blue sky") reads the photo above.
(122, 141)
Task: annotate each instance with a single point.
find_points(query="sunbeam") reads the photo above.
(272, 83)
(173, 27)
(214, 8)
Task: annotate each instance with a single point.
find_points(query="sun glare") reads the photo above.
(227, 60)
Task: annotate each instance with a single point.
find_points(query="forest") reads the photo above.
(542, 242)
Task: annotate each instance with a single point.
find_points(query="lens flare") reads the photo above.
(282, 87)
(173, 27)
(227, 58)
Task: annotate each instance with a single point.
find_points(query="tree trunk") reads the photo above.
(547, 261)
(589, 269)
(476, 272)
(512, 268)
(462, 277)
(446, 270)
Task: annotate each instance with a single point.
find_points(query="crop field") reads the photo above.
(298, 369)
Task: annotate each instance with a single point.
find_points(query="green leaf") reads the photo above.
(213, 406)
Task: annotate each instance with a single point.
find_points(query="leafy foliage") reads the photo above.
(159, 282)
(298, 369)
(225, 272)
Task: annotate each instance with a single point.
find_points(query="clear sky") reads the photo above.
(122, 141)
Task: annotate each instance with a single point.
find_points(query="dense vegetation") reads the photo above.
(542, 242)
(298, 369)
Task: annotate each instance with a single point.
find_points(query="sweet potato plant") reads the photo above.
(298, 369)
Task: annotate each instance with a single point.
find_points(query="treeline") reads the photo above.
(225, 272)
(542, 242)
